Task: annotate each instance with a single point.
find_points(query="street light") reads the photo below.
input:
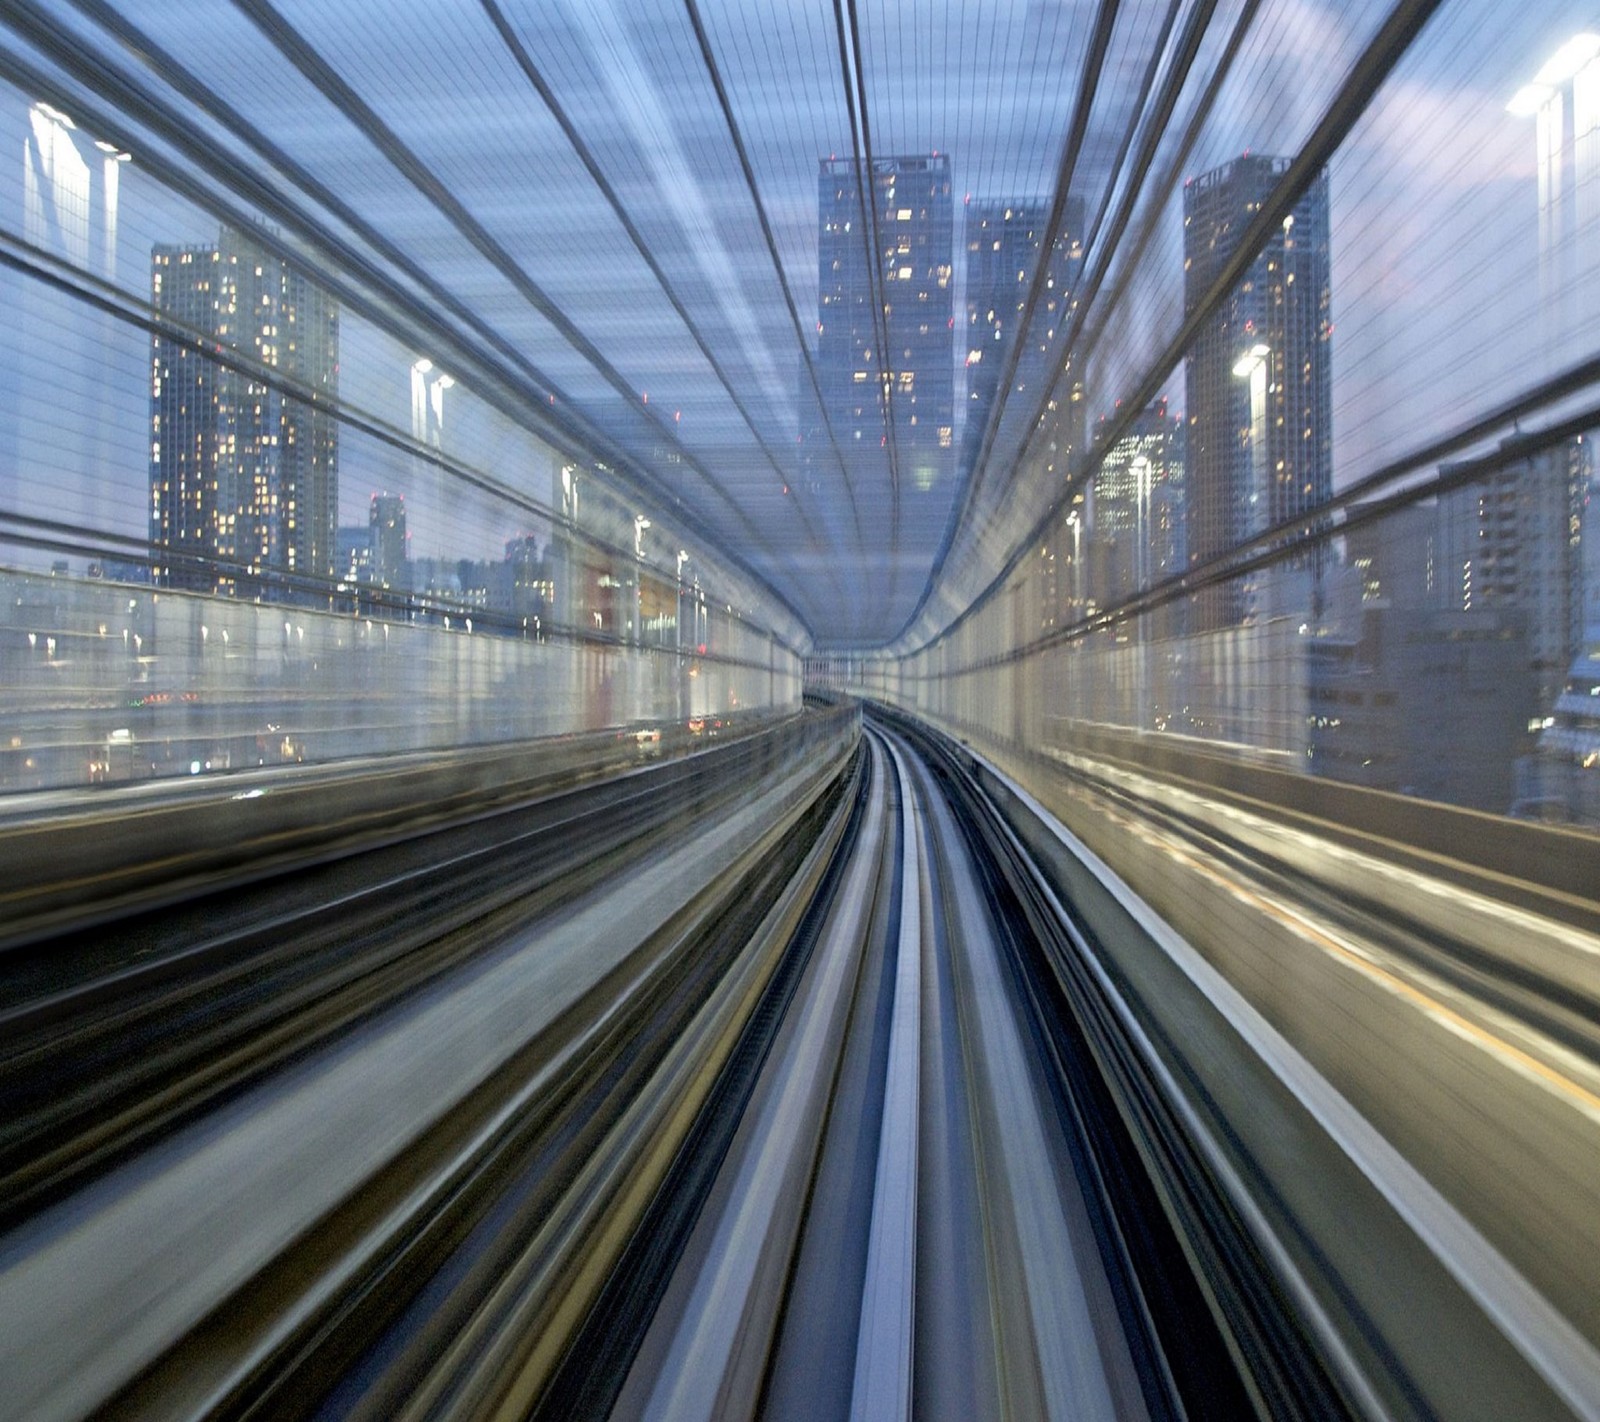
(1252, 366)
(1251, 361)
(683, 557)
(1142, 470)
(419, 399)
(1561, 68)
(685, 708)
(569, 493)
(1568, 61)
(1563, 99)
(1076, 525)
(427, 401)
(640, 524)
(1528, 100)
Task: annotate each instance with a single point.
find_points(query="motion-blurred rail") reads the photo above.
(823, 1074)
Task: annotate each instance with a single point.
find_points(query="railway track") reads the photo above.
(804, 1081)
(637, 1206)
(118, 1033)
(1555, 995)
(900, 1228)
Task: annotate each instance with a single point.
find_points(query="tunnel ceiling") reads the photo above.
(644, 226)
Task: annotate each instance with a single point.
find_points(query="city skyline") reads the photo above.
(243, 478)
(634, 341)
(967, 166)
(885, 342)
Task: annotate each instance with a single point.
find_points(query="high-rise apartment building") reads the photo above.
(1136, 507)
(1258, 378)
(243, 478)
(1003, 240)
(527, 588)
(386, 536)
(1397, 558)
(352, 563)
(889, 386)
(1149, 457)
(1514, 542)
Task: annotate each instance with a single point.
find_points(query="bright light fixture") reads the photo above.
(1568, 60)
(1250, 361)
(1528, 100)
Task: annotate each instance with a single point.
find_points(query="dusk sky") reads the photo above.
(1435, 288)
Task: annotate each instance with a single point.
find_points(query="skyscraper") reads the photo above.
(906, 392)
(1136, 511)
(243, 479)
(1003, 240)
(526, 589)
(1258, 379)
(386, 537)
(1514, 541)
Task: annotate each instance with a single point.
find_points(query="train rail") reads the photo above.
(120, 1031)
(827, 1076)
(1527, 967)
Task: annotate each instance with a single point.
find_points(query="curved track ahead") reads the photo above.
(912, 1220)
(781, 1081)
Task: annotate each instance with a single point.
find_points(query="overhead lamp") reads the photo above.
(1250, 361)
(1568, 60)
(1528, 100)
(1561, 68)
